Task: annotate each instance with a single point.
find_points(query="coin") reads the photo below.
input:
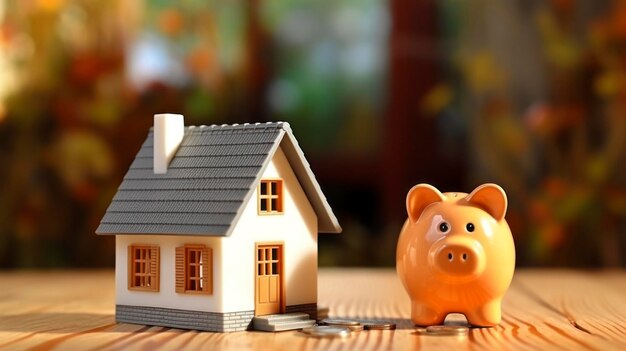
(447, 330)
(378, 325)
(339, 322)
(326, 331)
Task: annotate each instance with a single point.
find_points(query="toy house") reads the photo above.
(215, 225)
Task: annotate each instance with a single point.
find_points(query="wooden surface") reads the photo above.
(544, 310)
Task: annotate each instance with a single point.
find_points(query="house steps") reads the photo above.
(282, 322)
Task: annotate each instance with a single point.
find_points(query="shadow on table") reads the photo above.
(58, 322)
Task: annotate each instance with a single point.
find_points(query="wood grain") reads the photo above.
(555, 309)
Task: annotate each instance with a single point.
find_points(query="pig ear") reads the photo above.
(491, 198)
(419, 197)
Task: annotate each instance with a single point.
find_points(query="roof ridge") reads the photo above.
(238, 126)
(235, 127)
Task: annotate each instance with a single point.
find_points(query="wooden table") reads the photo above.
(556, 309)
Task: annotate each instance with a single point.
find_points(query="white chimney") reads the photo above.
(169, 129)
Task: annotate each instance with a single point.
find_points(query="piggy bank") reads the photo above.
(455, 254)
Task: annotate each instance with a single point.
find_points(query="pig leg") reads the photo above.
(487, 315)
(423, 315)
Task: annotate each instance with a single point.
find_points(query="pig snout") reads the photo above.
(458, 257)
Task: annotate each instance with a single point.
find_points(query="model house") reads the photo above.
(215, 225)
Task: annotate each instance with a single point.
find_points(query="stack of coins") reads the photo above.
(378, 325)
(444, 330)
(359, 324)
(327, 331)
(337, 327)
(353, 325)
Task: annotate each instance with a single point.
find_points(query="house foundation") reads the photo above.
(197, 320)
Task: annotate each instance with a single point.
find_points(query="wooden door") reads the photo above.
(269, 270)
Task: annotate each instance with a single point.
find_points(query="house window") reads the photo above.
(268, 260)
(143, 267)
(271, 197)
(194, 269)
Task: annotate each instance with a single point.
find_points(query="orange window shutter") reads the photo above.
(180, 269)
(207, 270)
(131, 264)
(155, 260)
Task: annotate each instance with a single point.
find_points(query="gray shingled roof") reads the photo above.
(214, 172)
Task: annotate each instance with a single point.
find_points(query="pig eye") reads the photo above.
(470, 227)
(444, 227)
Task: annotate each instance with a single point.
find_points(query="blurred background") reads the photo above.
(382, 95)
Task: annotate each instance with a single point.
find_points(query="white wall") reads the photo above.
(296, 228)
(167, 296)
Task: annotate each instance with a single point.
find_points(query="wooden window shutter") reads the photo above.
(180, 270)
(131, 268)
(207, 270)
(155, 262)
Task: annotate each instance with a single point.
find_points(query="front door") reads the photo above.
(269, 270)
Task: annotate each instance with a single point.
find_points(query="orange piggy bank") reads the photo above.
(456, 254)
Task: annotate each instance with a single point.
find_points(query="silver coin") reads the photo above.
(327, 331)
(339, 322)
(447, 330)
(378, 325)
